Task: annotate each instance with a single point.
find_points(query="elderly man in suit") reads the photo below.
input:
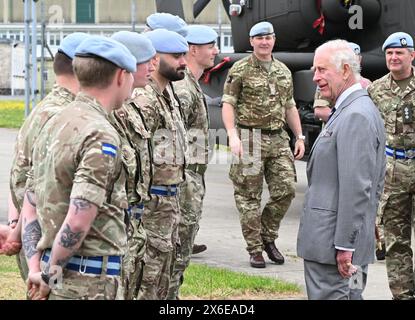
(345, 179)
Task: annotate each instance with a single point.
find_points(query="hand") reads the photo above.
(344, 263)
(299, 149)
(4, 233)
(36, 287)
(236, 145)
(13, 243)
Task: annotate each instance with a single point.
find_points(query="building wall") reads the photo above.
(56, 11)
(6, 68)
(107, 11)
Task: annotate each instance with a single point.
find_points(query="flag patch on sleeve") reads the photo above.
(109, 149)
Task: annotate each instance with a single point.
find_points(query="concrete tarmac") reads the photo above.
(220, 229)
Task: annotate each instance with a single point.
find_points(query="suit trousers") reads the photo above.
(324, 282)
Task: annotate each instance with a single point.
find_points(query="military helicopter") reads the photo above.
(300, 27)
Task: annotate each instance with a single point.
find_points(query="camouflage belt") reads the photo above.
(263, 131)
(166, 191)
(93, 265)
(136, 211)
(400, 153)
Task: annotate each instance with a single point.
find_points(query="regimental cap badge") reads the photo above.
(403, 41)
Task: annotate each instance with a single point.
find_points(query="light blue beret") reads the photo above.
(139, 45)
(261, 29)
(355, 47)
(165, 41)
(108, 49)
(398, 40)
(162, 20)
(70, 42)
(199, 34)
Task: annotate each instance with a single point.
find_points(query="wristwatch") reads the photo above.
(45, 277)
(301, 137)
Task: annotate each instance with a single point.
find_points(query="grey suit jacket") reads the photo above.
(345, 175)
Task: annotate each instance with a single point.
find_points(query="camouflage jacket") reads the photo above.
(196, 117)
(77, 155)
(53, 103)
(136, 151)
(163, 118)
(390, 99)
(260, 98)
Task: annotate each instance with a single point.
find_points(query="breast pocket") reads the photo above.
(388, 109)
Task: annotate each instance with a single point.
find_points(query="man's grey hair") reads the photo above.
(342, 54)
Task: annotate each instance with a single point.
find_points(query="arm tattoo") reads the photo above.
(70, 238)
(31, 237)
(80, 205)
(31, 198)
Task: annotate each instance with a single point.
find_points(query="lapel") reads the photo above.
(353, 96)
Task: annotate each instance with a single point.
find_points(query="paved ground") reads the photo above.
(220, 229)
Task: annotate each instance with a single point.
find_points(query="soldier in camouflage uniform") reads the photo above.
(79, 183)
(61, 95)
(201, 55)
(258, 94)
(129, 122)
(394, 95)
(164, 120)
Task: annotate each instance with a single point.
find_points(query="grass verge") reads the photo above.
(201, 282)
(11, 113)
(204, 282)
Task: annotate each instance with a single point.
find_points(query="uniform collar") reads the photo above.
(393, 86)
(155, 87)
(192, 78)
(63, 92)
(256, 62)
(91, 102)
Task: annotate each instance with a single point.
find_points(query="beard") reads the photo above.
(170, 73)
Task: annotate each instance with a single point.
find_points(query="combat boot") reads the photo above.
(257, 260)
(198, 248)
(273, 253)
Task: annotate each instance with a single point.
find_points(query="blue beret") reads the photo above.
(261, 29)
(355, 47)
(70, 42)
(107, 49)
(199, 34)
(139, 45)
(162, 20)
(165, 41)
(398, 40)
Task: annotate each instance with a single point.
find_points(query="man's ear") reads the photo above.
(347, 71)
(193, 49)
(120, 76)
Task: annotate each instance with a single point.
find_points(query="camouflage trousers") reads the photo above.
(192, 192)
(133, 261)
(270, 157)
(77, 286)
(398, 204)
(160, 220)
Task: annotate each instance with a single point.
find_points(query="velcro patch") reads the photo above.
(109, 149)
